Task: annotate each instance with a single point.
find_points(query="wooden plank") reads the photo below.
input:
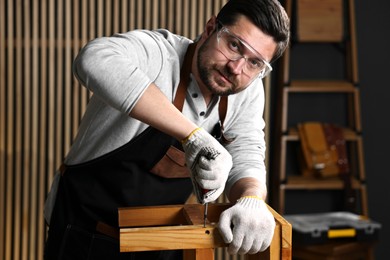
(163, 15)
(76, 89)
(193, 214)
(66, 116)
(84, 38)
(2, 134)
(169, 238)
(42, 111)
(139, 22)
(151, 216)
(27, 213)
(9, 130)
(186, 17)
(17, 132)
(320, 21)
(284, 109)
(170, 11)
(180, 21)
(194, 254)
(284, 234)
(312, 183)
(132, 18)
(155, 16)
(124, 23)
(356, 111)
(349, 135)
(108, 18)
(91, 21)
(100, 18)
(194, 16)
(322, 85)
(116, 21)
(35, 232)
(353, 43)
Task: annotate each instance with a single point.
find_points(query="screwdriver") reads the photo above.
(209, 154)
(205, 213)
(206, 205)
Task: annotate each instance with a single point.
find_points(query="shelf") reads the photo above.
(349, 135)
(311, 86)
(308, 183)
(311, 24)
(323, 87)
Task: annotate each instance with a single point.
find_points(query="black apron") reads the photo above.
(89, 194)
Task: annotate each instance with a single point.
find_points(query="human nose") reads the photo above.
(236, 66)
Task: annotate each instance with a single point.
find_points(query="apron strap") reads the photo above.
(184, 77)
(223, 103)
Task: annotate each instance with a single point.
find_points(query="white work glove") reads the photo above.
(248, 226)
(209, 164)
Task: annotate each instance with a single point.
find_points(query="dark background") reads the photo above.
(372, 28)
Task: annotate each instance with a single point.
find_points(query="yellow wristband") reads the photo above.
(189, 136)
(249, 197)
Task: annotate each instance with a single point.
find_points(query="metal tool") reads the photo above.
(206, 205)
(210, 154)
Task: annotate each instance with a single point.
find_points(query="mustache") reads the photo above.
(225, 72)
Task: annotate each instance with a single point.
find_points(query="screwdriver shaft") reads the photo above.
(205, 214)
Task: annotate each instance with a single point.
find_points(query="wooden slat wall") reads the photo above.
(41, 103)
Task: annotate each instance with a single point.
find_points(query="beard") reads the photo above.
(206, 70)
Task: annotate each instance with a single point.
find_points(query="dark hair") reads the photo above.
(268, 15)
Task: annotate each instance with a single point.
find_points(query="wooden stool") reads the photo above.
(181, 227)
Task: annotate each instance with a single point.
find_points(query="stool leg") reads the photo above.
(198, 254)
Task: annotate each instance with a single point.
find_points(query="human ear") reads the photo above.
(211, 25)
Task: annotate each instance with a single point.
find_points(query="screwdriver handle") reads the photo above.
(210, 154)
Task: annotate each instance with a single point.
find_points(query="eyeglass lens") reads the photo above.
(234, 49)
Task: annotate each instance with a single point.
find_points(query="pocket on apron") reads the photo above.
(172, 165)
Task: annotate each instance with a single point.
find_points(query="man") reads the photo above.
(160, 100)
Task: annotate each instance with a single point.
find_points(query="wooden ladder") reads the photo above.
(319, 23)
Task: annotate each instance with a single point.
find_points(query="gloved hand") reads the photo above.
(248, 226)
(209, 163)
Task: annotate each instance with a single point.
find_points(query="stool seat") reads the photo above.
(173, 227)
